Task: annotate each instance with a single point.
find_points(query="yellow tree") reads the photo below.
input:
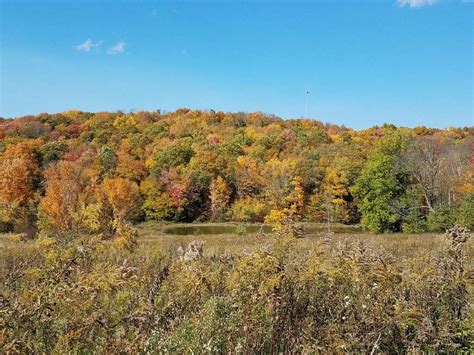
(279, 175)
(220, 196)
(329, 204)
(70, 188)
(129, 166)
(298, 196)
(120, 205)
(248, 176)
(123, 196)
(19, 170)
(334, 187)
(286, 216)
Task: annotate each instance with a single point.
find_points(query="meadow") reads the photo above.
(248, 236)
(228, 287)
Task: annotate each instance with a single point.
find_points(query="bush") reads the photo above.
(248, 209)
(465, 213)
(414, 222)
(441, 219)
(5, 227)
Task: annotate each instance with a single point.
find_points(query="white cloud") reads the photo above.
(87, 45)
(117, 49)
(415, 3)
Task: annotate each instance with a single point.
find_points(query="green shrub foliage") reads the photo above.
(441, 219)
(465, 215)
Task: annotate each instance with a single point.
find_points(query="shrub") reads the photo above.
(241, 230)
(441, 219)
(5, 227)
(248, 209)
(465, 213)
(414, 222)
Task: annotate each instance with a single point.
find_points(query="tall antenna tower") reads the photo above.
(307, 92)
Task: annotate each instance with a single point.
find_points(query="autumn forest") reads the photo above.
(65, 172)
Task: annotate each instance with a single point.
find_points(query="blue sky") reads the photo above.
(408, 62)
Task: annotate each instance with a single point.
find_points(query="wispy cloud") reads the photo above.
(87, 45)
(415, 3)
(119, 48)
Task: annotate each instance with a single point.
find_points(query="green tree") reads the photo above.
(108, 160)
(465, 215)
(179, 153)
(52, 151)
(441, 219)
(381, 184)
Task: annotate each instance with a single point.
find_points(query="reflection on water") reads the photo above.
(249, 229)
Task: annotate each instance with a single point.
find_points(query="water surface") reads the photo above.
(249, 229)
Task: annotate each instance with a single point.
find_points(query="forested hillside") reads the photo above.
(80, 172)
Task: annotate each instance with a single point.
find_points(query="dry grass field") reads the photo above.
(401, 245)
(248, 291)
(217, 240)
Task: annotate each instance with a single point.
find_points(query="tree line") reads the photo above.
(76, 173)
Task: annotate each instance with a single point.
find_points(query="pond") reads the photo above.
(210, 229)
(217, 229)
